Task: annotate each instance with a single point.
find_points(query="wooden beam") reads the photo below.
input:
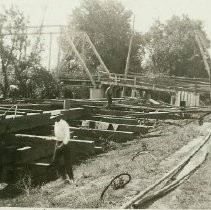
(21, 123)
(96, 53)
(23, 110)
(118, 136)
(68, 114)
(31, 147)
(90, 124)
(154, 115)
(41, 105)
(118, 120)
(11, 112)
(82, 62)
(42, 172)
(114, 112)
(168, 115)
(128, 56)
(134, 128)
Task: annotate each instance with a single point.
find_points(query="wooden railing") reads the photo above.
(167, 84)
(170, 84)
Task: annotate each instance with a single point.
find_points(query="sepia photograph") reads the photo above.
(105, 104)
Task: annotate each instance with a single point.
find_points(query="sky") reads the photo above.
(146, 11)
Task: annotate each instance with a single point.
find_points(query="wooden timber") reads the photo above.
(22, 110)
(42, 172)
(41, 106)
(29, 148)
(118, 136)
(11, 112)
(121, 107)
(114, 112)
(68, 114)
(134, 128)
(168, 115)
(19, 123)
(116, 127)
(118, 120)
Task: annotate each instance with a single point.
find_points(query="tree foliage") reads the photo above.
(20, 60)
(107, 23)
(172, 49)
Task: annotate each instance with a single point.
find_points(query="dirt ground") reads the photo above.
(92, 175)
(195, 193)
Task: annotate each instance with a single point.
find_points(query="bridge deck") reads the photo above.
(164, 84)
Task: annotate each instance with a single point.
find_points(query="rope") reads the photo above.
(116, 185)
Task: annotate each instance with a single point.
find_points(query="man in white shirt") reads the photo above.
(62, 158)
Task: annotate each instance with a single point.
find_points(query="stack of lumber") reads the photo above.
(37, 152)
(20, 123)
(14, 124)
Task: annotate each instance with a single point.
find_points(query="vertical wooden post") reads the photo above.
(66, 104)
(83, 46)
(128, 55)
(59, 55)
(49, 59)
(25, 46)
(135, 78)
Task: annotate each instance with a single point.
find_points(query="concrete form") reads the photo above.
(96, 93)
(184, 98)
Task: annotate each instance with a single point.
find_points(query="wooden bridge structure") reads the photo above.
(136, 81)
(77, 44)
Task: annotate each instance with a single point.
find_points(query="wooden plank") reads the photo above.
(41, 106)
(134, 128)
(114, 112)
(23, 110)
(68, 114)
(125, 107)
(114, 126)
(11, 112)
(23, 122)
(118, 120)
(31, 147)
(42, 172)
(118, 136)
(168, 115)
(98, 150)
(155, 115)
